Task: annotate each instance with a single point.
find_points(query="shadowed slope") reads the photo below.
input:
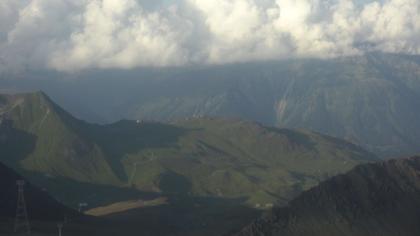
(40, 205)
(373, 199)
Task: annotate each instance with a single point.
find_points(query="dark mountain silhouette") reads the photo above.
(381, 199)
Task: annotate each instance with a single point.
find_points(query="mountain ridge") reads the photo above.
(372, 199)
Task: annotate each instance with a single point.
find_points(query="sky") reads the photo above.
(75, 35)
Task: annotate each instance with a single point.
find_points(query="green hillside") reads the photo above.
(52, 139)
(202, 157)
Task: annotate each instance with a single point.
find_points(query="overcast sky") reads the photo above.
(73, 35)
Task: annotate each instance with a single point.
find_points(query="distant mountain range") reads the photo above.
(378, 199)
(371, 100)
(197, 157)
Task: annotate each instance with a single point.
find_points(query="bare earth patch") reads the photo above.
(125, 206)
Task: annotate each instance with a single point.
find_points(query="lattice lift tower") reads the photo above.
(21, 220)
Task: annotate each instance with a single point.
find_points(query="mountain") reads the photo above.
(201, 157)
(373, 199)
(370, 99)
(37, 135)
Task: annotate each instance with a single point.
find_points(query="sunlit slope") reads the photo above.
(200, 157)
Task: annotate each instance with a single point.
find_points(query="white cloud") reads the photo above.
(72, 35)
(122, 34)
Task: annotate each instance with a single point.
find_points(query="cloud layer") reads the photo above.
(72, 35)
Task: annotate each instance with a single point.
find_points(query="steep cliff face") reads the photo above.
(373, 199)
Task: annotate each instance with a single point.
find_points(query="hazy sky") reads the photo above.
(72, 35)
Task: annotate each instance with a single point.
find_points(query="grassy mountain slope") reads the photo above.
(198, 157)
(373, 199)
(55, 145)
